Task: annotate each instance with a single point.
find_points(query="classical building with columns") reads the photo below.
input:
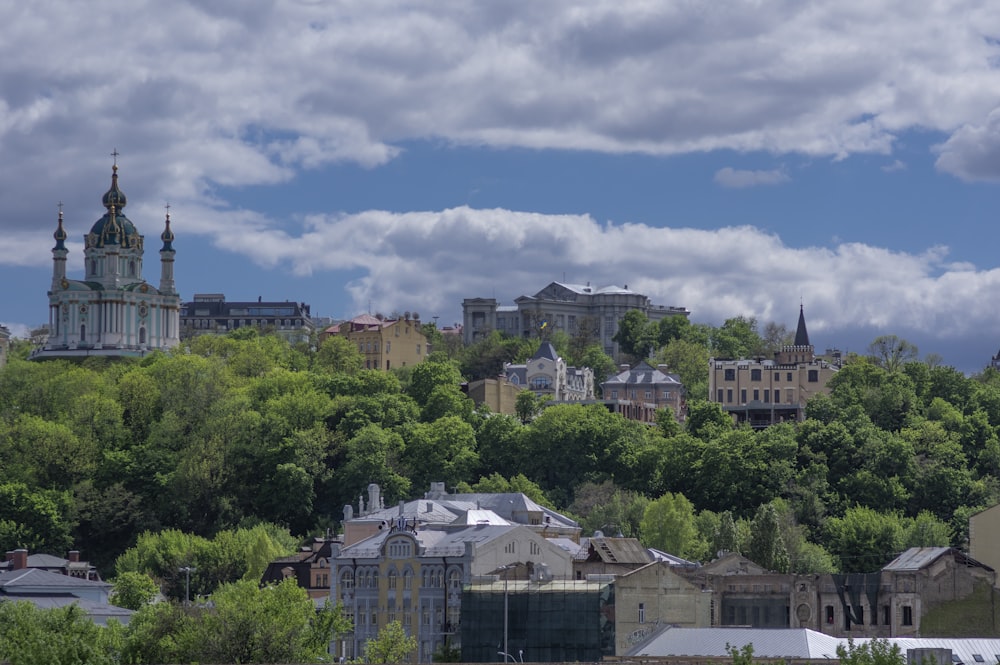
(112, 311)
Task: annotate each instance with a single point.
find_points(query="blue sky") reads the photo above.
(731, 157)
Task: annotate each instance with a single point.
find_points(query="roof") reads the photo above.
(795, 643)
(617, 550)
(917, 558)
(643, 374)
(546, 351)
(801, 335)
(12, 580)
(98, 612)
(716, 642)
(433, 542)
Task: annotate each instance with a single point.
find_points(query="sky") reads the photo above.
(732, 158)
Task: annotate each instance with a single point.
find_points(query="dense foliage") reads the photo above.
(227, 433)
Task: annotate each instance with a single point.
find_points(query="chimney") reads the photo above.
(74, 556)
(18, 559)
(663, 368)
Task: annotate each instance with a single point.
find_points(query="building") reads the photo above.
(210, 314)
(310, 567)
(547, 375)
(763, 392)
(653, 596)
(112, 311)
(385, 343)
(499, 395)
(48, 586)
(572, 308)
(538, 620)
(4, 345)
(637, 393)
(984, 536)
(72, 565)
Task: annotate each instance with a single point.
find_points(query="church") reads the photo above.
(112, 311)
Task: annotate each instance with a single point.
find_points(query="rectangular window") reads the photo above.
(743, 396)
(767, 396)
(730, 375)
(729, 395)
(886, 615)
(813, 376)
(642, 613)
(756, 395)
(777, 376)
(789, 377)
(777, 396)
(755, 375)
(829, 613)
(614, 394)
(649, 394)
(720, 396)
(907, 615)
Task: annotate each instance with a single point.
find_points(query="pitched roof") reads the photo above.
(546, 351)
(801, 335)
(12, 580)
(917, 558)
(786, 643)
(643, 374)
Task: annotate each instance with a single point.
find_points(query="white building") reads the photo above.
(546, 374)
(112, 311)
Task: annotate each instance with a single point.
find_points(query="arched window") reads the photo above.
(142, 335)
(83, 332)
(93, 267)
(131, 268)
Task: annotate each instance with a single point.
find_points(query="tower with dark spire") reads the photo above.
(800, 351)
(112, 311)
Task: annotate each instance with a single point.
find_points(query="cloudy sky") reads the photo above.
(728, 157)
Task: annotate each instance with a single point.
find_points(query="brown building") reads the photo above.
(639, 392)
(500, 395)
(310, 567)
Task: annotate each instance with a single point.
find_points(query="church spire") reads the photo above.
(801, 334)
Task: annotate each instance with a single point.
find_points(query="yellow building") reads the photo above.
(763, 392)
(385, 343)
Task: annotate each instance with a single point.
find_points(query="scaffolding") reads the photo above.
(550, 621)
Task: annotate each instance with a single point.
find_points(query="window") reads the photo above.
(407, 579)
(789, 377)
(730, 375)
(642, 613)
(813, 375)
(729, 395)
(142, 335)
(743, 396)
(767, 396)
(755, 375)
(649, 394)
(907, 615)
(388, 346)
(777, 376)
(614, 393)
(886, 615)
(666, 394)
(392, 579)
(418, 347)
(829, 613)
(756, 395)
(777, 396)
(719, 400)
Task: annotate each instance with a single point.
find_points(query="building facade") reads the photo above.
(637, 393)
(4, 345)
(763, 392)
(385, 343)
(113, 310)
(547, 375)
(572, 308)
(210, 314)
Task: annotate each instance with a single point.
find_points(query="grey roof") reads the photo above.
(435, 543)
(660, 555)
(11, 580)
(789, 643)
(715, 642)
(645, 374)
(447, 508)
(917, 558)
(98, 612)
(587, 289)
(801, 334)
(545, 351)
(618, 550)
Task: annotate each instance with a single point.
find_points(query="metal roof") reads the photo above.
(917, 558)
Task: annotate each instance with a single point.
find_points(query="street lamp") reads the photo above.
(506, 612)
(187, 582)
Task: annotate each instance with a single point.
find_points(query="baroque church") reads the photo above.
(112, 311)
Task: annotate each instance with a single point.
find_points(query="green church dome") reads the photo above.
(114, 228)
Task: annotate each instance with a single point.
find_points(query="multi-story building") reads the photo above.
(310, 567)
(112, 311)
(639, 392)
(4, 345)
(410, 563)
(573, 308)
(546, 374)
(763, 392)
(210, 314)
(385, 343)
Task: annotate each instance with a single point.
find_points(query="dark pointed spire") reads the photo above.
(801, 334)
(167, 236)
(60, 234)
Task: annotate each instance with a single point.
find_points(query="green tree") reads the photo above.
(863, 539)
(340, 355)
(34, 520)
(689, 361)
(669, 524)
(766, 546)
(132, 590)
(428, 375)
(527, 405)
(873, 652)
(60, 636)
(391, 645)
(737, 338)
(636, 336)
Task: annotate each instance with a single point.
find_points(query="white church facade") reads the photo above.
(113, 310)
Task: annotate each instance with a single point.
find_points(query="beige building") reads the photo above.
(560, 306)
(654, 596)
(547, 375)
(385, 343)
(4, 345)
(500, 395)
(637, 393)
(763, 392)
(984, 537)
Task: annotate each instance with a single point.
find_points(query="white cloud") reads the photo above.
(245, 94)
(896, 165)
(737, 178)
